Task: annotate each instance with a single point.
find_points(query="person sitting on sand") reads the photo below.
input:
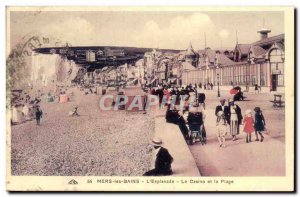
(74, 112)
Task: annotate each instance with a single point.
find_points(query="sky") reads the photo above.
(166, 30)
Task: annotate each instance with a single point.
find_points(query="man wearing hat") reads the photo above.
(221, 128)
(163, 160)
(236, 117)
(225, 109)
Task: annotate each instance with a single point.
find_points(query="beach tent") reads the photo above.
(49, 98)
(17, 115)
(63, 98)
(28, 112)
(25, 111)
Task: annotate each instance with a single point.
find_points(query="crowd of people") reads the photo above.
(188, 112)
(25, 106)
(185, 107)
(187, 93)
(229, 119)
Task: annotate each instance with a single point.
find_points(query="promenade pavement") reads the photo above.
(239, 158)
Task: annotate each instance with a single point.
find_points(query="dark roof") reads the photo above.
(244, 48)
(223, 59)
(211, 54)
(258, 51)
(270, 40)
(281, 46)
(223, 50)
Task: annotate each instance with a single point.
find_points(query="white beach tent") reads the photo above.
(17, 115)
(28, 113)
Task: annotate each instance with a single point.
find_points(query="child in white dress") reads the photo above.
(222, 128)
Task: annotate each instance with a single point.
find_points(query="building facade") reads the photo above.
(260, 63)
(246, 65)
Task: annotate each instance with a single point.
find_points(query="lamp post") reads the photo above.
(218, 81)
(248, 74)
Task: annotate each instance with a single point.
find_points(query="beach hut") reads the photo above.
(63, 98)
(28, 112)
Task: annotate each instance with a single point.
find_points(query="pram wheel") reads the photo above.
(197, 135)
(194, 135)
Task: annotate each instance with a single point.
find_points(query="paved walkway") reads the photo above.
(239, 158)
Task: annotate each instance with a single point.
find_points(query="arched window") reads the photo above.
(277, 65)
(275, 55)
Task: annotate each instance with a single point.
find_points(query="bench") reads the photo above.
(277, 102)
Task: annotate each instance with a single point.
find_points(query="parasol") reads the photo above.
(235, 90)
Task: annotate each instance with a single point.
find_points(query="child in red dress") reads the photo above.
(248, 125)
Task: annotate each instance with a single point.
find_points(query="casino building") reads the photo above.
(261, 63)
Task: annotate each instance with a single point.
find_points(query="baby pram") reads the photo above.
(196, 133)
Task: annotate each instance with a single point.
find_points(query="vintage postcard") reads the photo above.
(150, 99)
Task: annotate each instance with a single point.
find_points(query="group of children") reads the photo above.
(256, 124)
(251, 124)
